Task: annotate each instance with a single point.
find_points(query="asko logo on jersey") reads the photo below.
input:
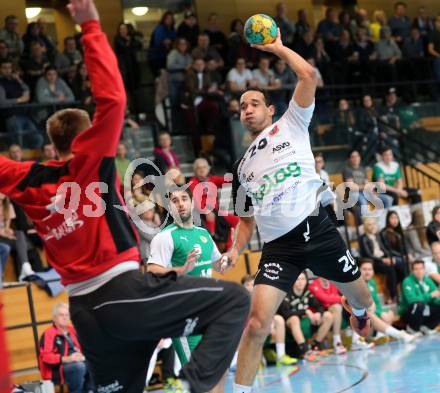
(272, 182)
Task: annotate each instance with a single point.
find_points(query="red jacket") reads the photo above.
(326, 296)
(203, 197)
(53, 345)
(81, 247)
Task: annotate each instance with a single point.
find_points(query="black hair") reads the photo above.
(385, 149)
(175, 188)
(267, 99)
(364, 261)
(351, 151)
(417, 262)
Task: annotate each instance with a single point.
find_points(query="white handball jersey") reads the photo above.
(277, 174)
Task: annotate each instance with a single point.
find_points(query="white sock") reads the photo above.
(355, 338)
(393, 332)
(359, 312)
(241, 388)
(281, 349)
(336, 339)
(380, 334)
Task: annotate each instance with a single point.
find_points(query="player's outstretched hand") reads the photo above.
(274, 48)
(190, 263)
(227, 261)
(82, 10)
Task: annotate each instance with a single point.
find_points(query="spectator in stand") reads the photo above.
(345, 20)
(360, 21)
(34, 66)
(379, 22)
(399, 23)
(15, 153)
(394, 241)
(214, 74)
(82, 89)
(387, 53)
(70, 56)
(302, 25)
(330, 298)
(10, 35)
(48, 153)
(319, 167)
(366, 55)
(414, 65)
(420, 301)
(203, 50)
(240, 78)
(322, 59)
(48, 41)
(413, 46)
(205, 188)
(19, 125)
(51, 89)
(306, 46)
(125, 52)
(305, 317)
(434, 46)
(287, 80)
(161, 42)
(33, 34)
(381, 320)
(189, 28)
(355, 173)
(7, 236)
(415, 237)
(320, 80)
(264, 76)
(343, 122)
(423, 22)
(387, 172)
(342, 55)
(121, 161)
(372, 247)
(432, 264)
(285, 24)
(329, 28)
(61, 358)
(239, 47)
(4, 51)
(216, 36)
(178, 62)
(433, 228)
(164, 155)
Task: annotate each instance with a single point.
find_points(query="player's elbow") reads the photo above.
(310, 76)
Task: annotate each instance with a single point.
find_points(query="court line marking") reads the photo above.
(363, 378)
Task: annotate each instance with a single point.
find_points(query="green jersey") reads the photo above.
(170, 248)
(417, 291)
(374, 294)
(389, 173)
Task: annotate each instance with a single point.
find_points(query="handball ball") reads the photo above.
(260, 29)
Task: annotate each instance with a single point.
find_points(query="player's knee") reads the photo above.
(327, 316)
(278, 320)
(293, 321)
(259, 327)
(335, 309)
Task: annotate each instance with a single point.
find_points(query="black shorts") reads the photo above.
(315, 244)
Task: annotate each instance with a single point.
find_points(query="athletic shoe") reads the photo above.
(427, 331)
(176, 385)
(406, 337)
(361, 325)
(340, 349)
(381, 340)
(415, 333)
(26, 270)
(361, 345)
(286, 360)
(270, 356)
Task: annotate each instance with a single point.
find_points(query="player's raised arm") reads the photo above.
(107, 85)
(304, 93)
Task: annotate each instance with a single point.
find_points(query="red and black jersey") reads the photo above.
(53, 346)
(79, 246)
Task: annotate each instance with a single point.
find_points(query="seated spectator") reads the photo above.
(330, 298)
(33, 67)
(189, 29)
(360, 21)
(48, 41)
(70, 56)
(305, 46)
(343, 122)
(302, 24)
(51, 89)
(420, 301)
(7, 235)
(4, 51)
(306, 317)
(214, 74)
(19, 125)
(216, 36)
(287, 78)
(379, 21)
(319, 167)
(423, 22)
(204, 50)
(285, 24)
(393, 240)
(434, 46)
(239, 47)
(355, 173)
(416, 243)
(49, 153)
(413, 46)
(399, 23)
(161, 42)
(278, 333)
(205, 188)
(240, 78)
(329, 28)
(61, 359)
(366, 56)
(372, 247)
(432, 264)
(164, 155)
(121, 161)
(387, 172)
(33, 34)
(178, 62)
(381, 320)
(82, 89)
(10, 35)
(388, 53)
(433, 228)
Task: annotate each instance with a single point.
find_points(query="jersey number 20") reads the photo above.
(349, 263)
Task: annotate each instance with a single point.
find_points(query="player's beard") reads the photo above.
(185, 217)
